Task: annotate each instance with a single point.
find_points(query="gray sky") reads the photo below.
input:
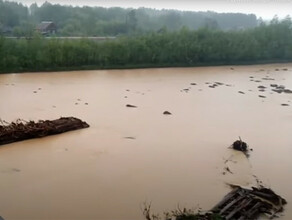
(262, 8)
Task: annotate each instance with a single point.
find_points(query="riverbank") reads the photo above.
(184, 48)
(151, 66)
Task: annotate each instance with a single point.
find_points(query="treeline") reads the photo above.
(272, 42)
(19, 20)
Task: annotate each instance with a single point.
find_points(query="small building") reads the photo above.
(6, 31)
(47, 28)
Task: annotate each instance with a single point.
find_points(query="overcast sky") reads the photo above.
(262, 8)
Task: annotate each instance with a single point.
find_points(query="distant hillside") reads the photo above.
(19, 20)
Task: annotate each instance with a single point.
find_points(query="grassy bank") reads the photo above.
(185, 48)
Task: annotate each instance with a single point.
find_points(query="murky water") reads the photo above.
(134, 155)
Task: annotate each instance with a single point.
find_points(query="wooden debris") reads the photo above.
(289, 91)
(280, 89)
(167, 113)
(267, 78)
(130, 138)
(228, 170)
(22, 130)
(131, 106)
(277, 90)
(240, 146)
(243, 203)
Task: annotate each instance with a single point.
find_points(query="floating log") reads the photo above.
(21, 130)
(131, 106)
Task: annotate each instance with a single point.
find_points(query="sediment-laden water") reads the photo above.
(130, 156)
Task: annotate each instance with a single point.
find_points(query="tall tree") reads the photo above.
(131, 20)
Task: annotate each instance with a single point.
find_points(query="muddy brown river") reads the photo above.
(130, 156)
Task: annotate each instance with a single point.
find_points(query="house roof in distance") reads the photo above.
(44, 25)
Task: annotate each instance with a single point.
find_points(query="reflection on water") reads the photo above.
(132, 155)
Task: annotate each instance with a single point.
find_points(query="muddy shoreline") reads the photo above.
(152, 66)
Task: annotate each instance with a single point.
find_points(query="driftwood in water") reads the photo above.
(240, 146)
(20, 130)
(249, 204)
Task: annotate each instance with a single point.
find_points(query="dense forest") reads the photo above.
(205, 46)
(144, 38)
(19, 20)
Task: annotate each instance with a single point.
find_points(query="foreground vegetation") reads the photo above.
(272, 42)
(180, 214)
